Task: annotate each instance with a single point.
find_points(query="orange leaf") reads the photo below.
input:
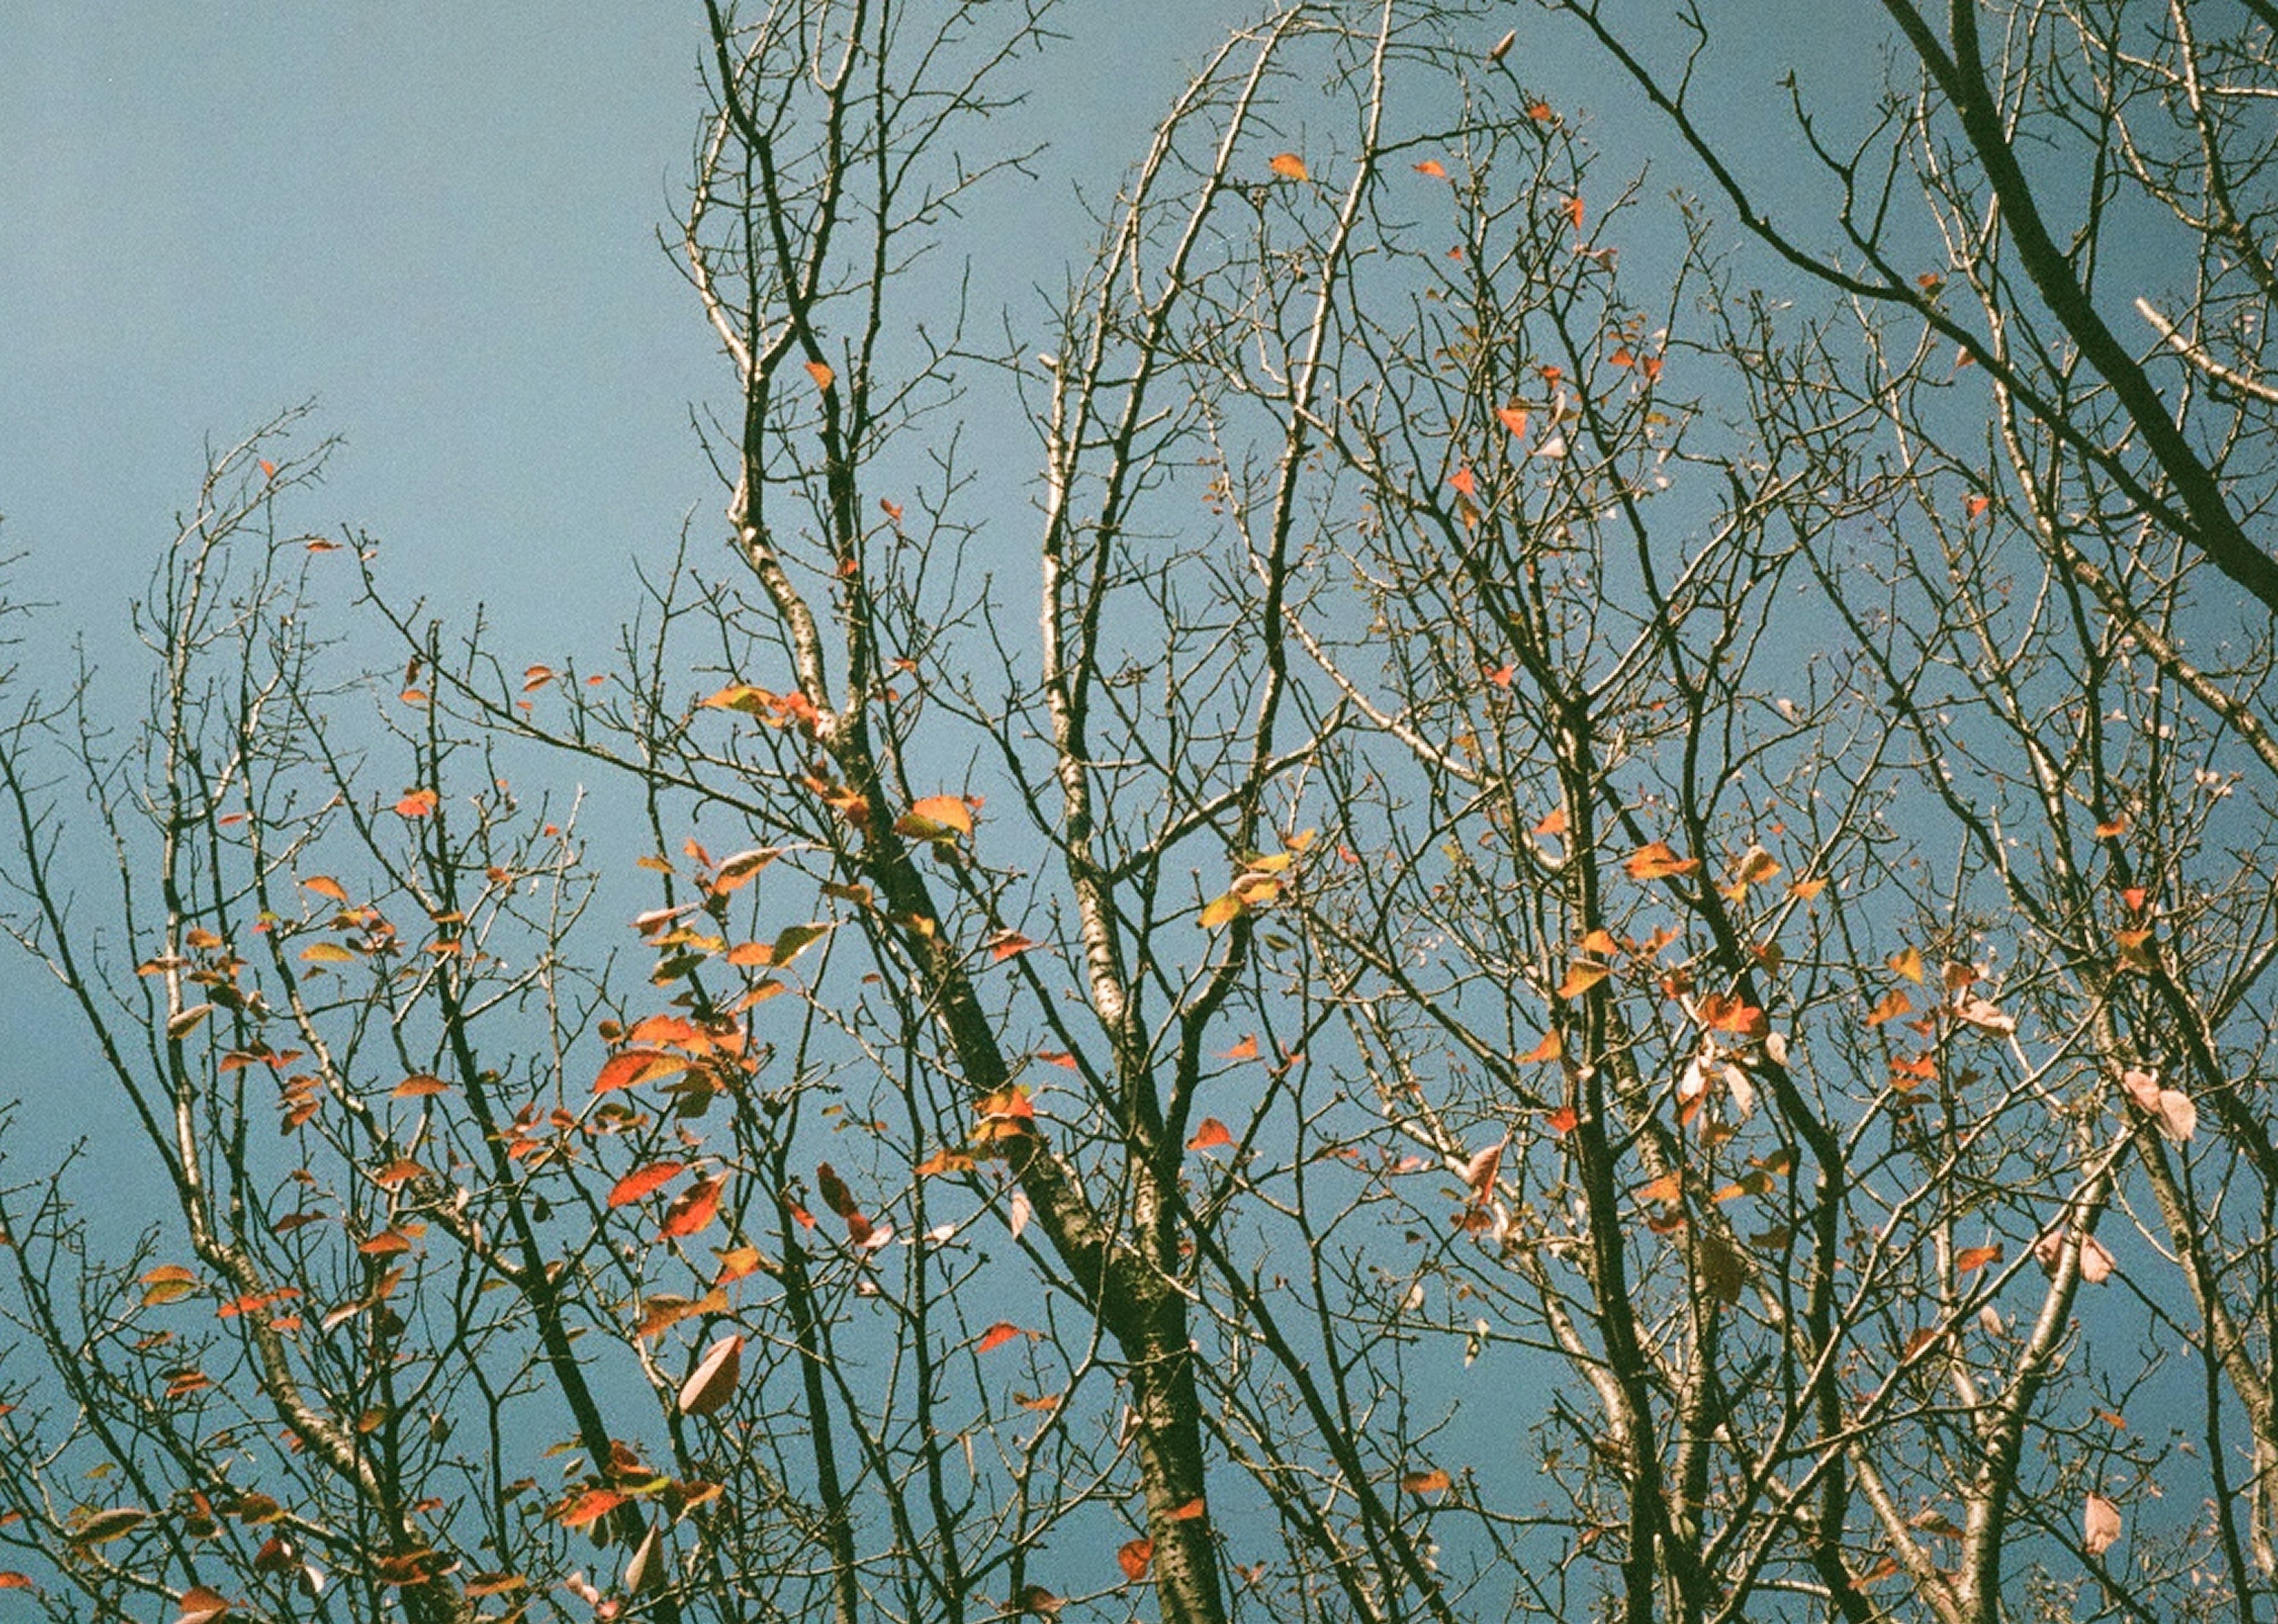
(1247, 1049)
(1211, 1133)
(418, 1088)
(644, 1180)
(1434, 1479)
(1894, 1004)
(1134, 1556)
(938, 817)
(418, 803)
(996, 1336)
(1514, 418)
(325, 885)
(1668, 1188)
(630, 1067)
(1573, 210)
(1908, 964)
(1464, 481)
(740, 870)
(590, 1507)
(821, 373)
(1550, 1049)
(1289, 165)
(1658, 862)
(693, 1210)
(1008, 944)
(1972, 1258)
(1433, 168)
(1191, 1510)
(1562, 1120)
(1581, 976)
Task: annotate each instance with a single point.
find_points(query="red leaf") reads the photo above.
(642, 1180)
(996, 1336)
(590, 1506)
(630, 1067)
(693, 1211)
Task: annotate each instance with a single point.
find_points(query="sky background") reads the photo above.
(439, 223)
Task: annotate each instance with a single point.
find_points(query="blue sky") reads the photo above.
(437, 221)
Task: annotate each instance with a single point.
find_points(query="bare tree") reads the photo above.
(1603, 958)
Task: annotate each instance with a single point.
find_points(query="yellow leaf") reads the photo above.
(1221, 910)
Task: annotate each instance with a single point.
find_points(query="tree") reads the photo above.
(1553, 984)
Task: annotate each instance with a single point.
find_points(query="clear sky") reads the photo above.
(436, 220)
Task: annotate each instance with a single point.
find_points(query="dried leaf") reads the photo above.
(712, 1383)
(2099, 1525)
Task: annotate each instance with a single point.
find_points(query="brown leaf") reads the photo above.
(712, 1383)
